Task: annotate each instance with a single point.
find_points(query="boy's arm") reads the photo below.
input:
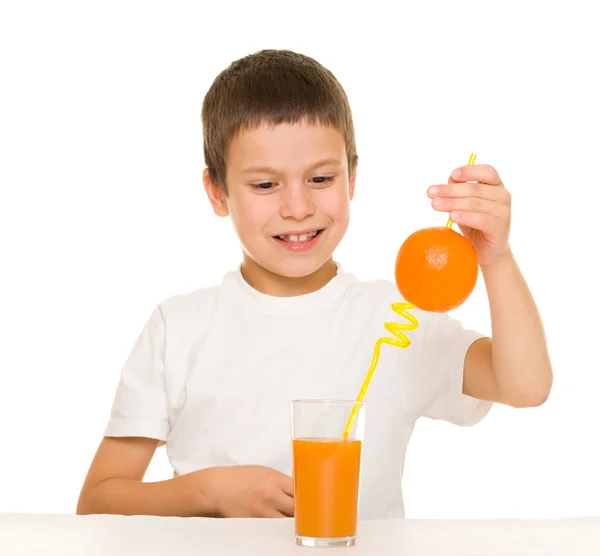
(513, 367)
(114, 486)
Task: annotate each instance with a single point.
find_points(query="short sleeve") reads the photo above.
(444, 343)
(139, 407)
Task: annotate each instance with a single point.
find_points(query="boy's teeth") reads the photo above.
(294, 238)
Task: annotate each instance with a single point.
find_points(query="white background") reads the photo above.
(103, 215)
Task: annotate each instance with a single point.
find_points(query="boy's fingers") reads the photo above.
(287, 485)
(469, 204)
(285, 504)
(288, 508)
(483, 222)
(482, 173)
(477, 190)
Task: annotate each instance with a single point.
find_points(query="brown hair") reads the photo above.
(273, 87)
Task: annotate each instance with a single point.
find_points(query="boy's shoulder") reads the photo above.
(192, 303)
(377, 287)
(380, 297)
(379, 291)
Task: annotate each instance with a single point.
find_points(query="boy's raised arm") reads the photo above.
(514, 366)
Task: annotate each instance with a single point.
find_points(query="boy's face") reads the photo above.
(288, 196)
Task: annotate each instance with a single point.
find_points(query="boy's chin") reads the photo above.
(299, 269)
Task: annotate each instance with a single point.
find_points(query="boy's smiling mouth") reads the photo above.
(299, 241)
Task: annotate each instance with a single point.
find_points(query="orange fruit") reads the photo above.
(436, 269)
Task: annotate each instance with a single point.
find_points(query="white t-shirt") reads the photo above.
(213, 372)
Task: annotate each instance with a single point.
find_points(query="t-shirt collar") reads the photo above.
(299, 304)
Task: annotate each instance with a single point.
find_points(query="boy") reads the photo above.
(213, 371)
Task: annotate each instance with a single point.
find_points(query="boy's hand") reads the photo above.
(482, 210)
(251, 491)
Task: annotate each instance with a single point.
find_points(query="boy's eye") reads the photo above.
(265, 186)
(322, 179)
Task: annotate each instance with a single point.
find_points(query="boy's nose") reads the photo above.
(297, 203)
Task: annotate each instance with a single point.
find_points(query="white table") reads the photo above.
(65, 535)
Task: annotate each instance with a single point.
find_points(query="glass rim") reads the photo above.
(324, 401)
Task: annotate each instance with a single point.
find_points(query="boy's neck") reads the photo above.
(273, 284)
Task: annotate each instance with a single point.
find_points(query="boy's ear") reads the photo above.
(353, 176)
(215, 195)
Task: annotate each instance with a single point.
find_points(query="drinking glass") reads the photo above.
(326, 470)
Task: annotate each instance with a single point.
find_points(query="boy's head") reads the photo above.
(281, 161)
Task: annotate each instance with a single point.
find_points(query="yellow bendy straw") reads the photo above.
(401, 340)
(471, 162)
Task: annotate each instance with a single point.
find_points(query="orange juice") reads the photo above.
(326, 479)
